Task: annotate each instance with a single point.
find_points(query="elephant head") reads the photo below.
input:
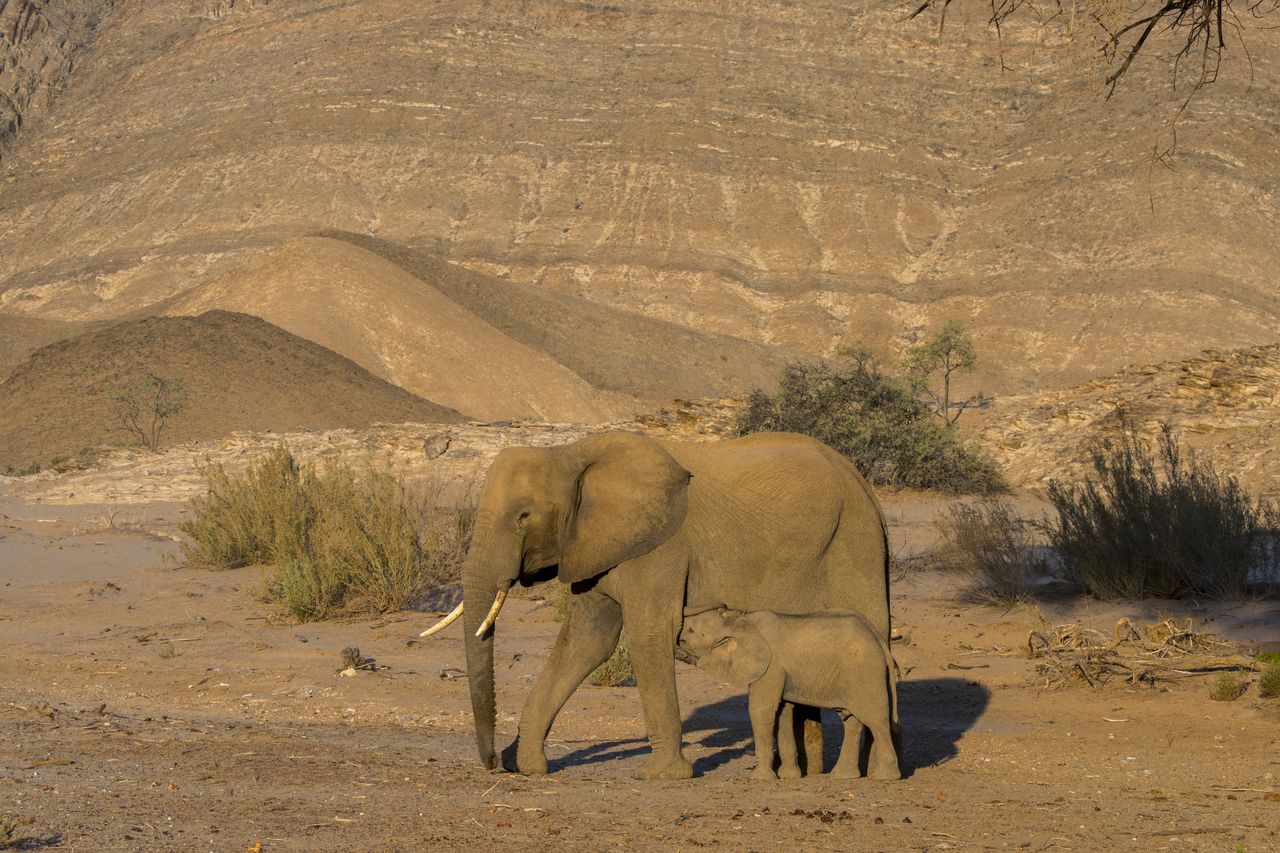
(727, 644)
(572, 512)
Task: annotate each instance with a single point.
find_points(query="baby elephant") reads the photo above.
(833, 659)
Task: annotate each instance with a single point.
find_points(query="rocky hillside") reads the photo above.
(1221, 404)
(240, 373)
(795, 174)
(40, 43)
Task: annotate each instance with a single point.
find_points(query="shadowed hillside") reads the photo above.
(21, 335)
(800, 175)
(240, 374)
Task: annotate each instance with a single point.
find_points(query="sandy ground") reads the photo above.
(147, 706)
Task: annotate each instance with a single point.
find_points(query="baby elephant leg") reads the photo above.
(846, 766)
(788, 757)
(763, 699)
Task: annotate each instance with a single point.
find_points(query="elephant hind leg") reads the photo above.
(788, 755)
(587, 638)
(809, 737)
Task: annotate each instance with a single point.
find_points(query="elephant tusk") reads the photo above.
(493, 612)
(445, 622)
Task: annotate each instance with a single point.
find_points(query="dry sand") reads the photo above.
(147, 706)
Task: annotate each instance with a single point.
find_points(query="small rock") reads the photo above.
(349, 672)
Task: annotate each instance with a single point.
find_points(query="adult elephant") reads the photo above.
(639, 528)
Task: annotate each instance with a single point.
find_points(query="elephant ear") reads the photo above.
(741, 657)
(631, 497)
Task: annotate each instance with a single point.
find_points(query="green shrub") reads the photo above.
(618, 670)
(992, 546)
(1269, 682)
(877, 421)
(1227, 687)
(1152, 523)
(338, 542)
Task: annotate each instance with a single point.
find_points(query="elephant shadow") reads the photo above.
(935, 712)
(723, 726)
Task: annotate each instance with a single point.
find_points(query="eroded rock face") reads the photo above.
(40, 43)
(1221, 404)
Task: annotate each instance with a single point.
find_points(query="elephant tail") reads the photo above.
(894, 672)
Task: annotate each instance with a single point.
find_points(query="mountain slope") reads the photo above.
(801, 175)
(240, 373)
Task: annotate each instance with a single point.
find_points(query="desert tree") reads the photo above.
(931, 366)
(875, 419)
(144, 405)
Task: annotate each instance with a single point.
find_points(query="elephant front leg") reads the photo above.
(764, 698)
(588, 636)
(652, 656)
(652, 599)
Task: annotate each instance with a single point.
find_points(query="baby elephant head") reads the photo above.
(727, 644)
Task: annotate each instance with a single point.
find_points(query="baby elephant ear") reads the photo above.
(741, 657)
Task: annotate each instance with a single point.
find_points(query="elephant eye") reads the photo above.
(524, 514)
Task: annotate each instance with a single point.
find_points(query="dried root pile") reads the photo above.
(1168, 650)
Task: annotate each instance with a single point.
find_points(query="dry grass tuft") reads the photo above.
(10, 834)
(338, 542)
(1227, 687)
(618, 670)
(1167, 650)
(991, 546)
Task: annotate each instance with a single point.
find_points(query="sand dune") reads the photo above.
(240, 374)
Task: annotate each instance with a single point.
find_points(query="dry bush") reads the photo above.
(993, 547)
(618, 670)
(1155, 524)
(339, 542)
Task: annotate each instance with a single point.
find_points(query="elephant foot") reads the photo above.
(789, 771)
(839, 772)
(665, 768)
(763, 771)
(887, 772)
(529, 761)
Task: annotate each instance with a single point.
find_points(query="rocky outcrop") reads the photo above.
(447, 462)
(1223, 405)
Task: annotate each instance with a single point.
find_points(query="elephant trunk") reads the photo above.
(480, 667)
(485, 576)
